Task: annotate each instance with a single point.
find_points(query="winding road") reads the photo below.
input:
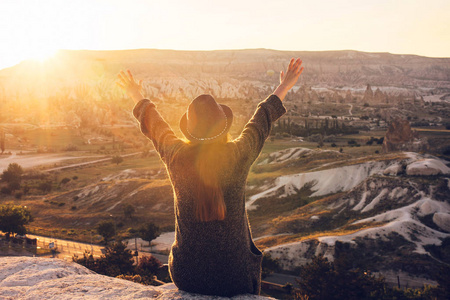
(34, 160)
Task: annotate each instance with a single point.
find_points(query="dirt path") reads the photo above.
(34, 160)
(88, 162)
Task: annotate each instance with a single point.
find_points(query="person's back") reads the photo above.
(213, 252)
(211, 255)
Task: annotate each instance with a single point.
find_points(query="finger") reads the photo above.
(297, 66)
(122, 76)
(120, 85)
(121, 79)
(291, 63)
(300, 71)
(297, 63)
(130, 75)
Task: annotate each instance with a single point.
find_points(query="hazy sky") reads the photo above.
(36, 28)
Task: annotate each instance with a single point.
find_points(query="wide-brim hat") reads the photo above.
(205, 120)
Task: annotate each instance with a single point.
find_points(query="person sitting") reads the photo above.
(213, 252)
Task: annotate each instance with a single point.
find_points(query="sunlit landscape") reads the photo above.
(357, 171)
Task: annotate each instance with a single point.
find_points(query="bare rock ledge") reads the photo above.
(45, 278)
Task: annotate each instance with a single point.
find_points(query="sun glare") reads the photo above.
(42, 55)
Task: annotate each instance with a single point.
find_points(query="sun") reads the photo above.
(42, 54)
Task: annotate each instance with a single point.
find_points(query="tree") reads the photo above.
(12, 173)
(269, 265)
(117, 260)
(148, 265)
(321, 279)
(13, 219)
(128, 211)
(106, 229)
(149, 232)
(117, 159)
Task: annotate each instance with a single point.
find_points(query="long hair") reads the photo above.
(209, 199)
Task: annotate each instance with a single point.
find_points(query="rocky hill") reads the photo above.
(44, 278)
(389, 215)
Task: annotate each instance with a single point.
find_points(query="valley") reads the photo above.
(358, 167)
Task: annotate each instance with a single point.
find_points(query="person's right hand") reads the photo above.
(288, 80)
(292, 74)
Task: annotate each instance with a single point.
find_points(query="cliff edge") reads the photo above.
(45, 278)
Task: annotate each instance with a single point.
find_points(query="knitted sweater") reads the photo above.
(215, 257)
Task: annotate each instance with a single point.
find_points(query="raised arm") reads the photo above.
(151, 122)
(256, 131)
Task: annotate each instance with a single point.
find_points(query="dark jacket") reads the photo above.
(216, 257)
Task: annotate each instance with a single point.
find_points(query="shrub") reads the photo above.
(65, 180)
(75, 177)
(269, 265)
(128, 211)
(148, 265)
(45, 187)
(147, 280)
(73, 207)
(116, 261)
(61, 204)
(5, 190)
(13, 173)
(446, 150)
(70, 147)
(26, 190)
(18, 195)
(333, 145)
(117, 159)
(14, 185)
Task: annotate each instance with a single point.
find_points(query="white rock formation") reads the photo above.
(442, 220)
(426, 167)
(46, 278)
(393, 170)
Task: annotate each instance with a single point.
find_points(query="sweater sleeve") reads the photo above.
(256, 131)
(156, 129)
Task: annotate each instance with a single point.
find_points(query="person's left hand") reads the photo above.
(132, 87)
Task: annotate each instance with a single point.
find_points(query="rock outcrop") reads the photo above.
(45, 278)
(400, 137)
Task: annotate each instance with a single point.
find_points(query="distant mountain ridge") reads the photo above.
(328, 68)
